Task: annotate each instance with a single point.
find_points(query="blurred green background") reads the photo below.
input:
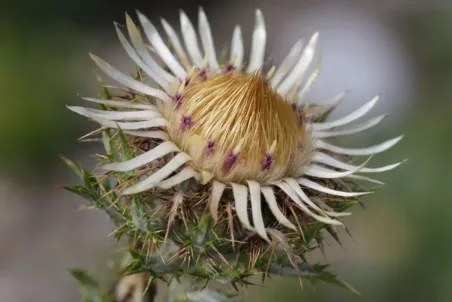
(402, 241)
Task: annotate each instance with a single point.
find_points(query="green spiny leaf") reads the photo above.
(202, 230)
(333, 233)
(74, 166)
(91, 192)
(138, 213)
(342, 206)
(89, 288)
(83, 192)
(126, 151)
(312, 231)
(318, 273)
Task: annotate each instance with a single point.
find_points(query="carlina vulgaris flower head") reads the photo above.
(247, 137)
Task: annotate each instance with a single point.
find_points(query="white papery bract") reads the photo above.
(230, 125)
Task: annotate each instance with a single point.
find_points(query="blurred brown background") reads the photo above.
(400, 48)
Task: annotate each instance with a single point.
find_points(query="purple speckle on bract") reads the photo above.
(291, 159)
(231, 158)
(186, 122)
(209, 148)
(177, 99)
(266, 163)
(299, 117)
(203, 74)
(228, 67)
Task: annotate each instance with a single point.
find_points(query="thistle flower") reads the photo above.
(228, 136)
(231, 126)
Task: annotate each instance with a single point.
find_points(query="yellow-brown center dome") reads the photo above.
(237, 127)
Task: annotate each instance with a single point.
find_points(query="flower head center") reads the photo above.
(243, 117)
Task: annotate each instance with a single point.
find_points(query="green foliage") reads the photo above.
(193, 249)
(318, 273)
(89, 288)
(93, 191)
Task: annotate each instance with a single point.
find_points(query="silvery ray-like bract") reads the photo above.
(230, 126)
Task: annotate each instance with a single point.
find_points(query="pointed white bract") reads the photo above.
(296, 187)
(158, 176)
(287, 64)
(150, 134)
(237, 49)
(167, 165)
(255, 196)
(129, 81)
(315, 186)
(117, 115)
(364, 178)
(348, 118)
(300, 67)
(351, 130)
(332, 174)
(158, 122)
(122, 104)
(143, 159)
(269, 196)
(138, 43)
(359, 151)
(107, 122)
(160, 47)
(215, 197)
(330, 161)
(191, 40)
(183, 175)
(139, 61)
(207, 41)
(321, 172)
(241, 204)
(307, 86)
(258, 43)
(293, 195)
(175, 42)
